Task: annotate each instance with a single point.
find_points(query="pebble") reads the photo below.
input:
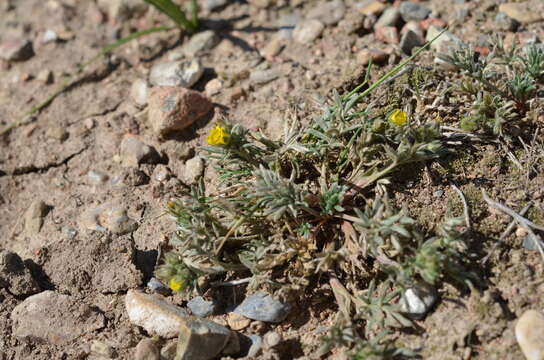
(69, 232)
(237, 321)
(173, 109)
(409, 40)
(524, 12)
(110, 217)
(388, 34)
(212, 5)
(54, 318)
(134, 152)
(446, 43)
(168, 351)
(263, 307)
(213, 87)
(271, 339)
(45, 76)
(176, 73)
(156, 286)
(134, 177)
(307, 31)
(418, 300)
(58, 133)
(199, 43)
(147, 350)
(413, 11)
(122, 10)
(328, 13)
(49, 36)
(201, 339)
(34, 216)
(102, 349)
(530, 334)
(15, 275)
(16, 49)
(138, 92)
(378, 56)
(154, 314)
(161, 173)
(373, 8)
(97, 177)
(390, 17)
(263, 76)
(191, 171)
(202, 307)
(272, 49)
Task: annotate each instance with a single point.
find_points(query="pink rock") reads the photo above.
(173, 108)
(388, 34)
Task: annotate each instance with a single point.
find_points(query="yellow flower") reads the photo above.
(218, 136)
(175, 285)
(398, 117)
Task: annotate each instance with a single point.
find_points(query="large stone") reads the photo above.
(524, 12)
(173, 109)
(201, 340)
(530, 334)
(15, 276)
(263, 307)
(154, 314)
(176, 73)
(54, 318)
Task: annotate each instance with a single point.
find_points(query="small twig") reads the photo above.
(506, 233)
(527, 224)
(230, 283)
(465, 205)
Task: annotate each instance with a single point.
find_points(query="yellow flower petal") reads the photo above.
(398, 117)
(218, 136)
(174, 284)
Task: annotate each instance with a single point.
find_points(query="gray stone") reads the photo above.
(69, 232)
(263, 307)
(307, 31)
(161, 173)
(97, 177)
(16, 49)
(328, 13)
(157, 287)
(34, 216)
(146, 350)
(413, 11)
(49, 36)
(176, 73)
(529, 244)
(200, 43)
(287, 24)
(201, 307)
(201, 340)
(15, 276)
(134, 152)
(138, 92)
(154, 314)
(256, 346)
(108, 217)
(505, 23)
(271, 339)
(263, 76)
(418, 300)
(409, 40)
(390, 17)
(102, 349)
(214, 4)
(529, 330)
(54, 318)
(122, 10)
(191, 171)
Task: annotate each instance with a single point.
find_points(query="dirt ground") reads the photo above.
(50, 158)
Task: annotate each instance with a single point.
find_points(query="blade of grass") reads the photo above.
(173, 11)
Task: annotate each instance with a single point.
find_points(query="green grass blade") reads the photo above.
(174, 12)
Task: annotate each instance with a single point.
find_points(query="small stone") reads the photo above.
(16, 49)
(156, 286)
(201, 340)
(307, 31)
(388, 34)
(286, 23)
(521, 232)
(263, 76)
(263, 307)
(529, 243)
(154, 314)
(57, 133)
(15, 276)
(176, 73)
(110, 217)
(438, 193)
(89, 123)
(213, 87)
(256, 346)
(524, 12)
(418, 300)
(146, 350)
(237, 321)
(373, 8)
(236, 93)
(45, 76)
(69, 232)
(134, 152)
(138, 92)
(54, 318)
(168, 351)
(214, 4)
(272, 49)
(199, 43)
(49, 36)
(34, 216)
(122, 10)
(529, 334)
(97, 177)
(413, 11)
(161, 173)
(328, 13)
(446, 43)
(271, 339)
(102, 349)
(173, 109)
(414, 26)
(134, 177)
(410, 40)
(201, 307)
(377, 56)
(462, 14)
(390, 17)
(191, 171)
